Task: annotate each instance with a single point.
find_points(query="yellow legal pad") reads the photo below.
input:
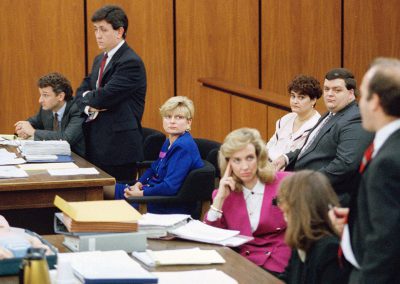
(97, 216)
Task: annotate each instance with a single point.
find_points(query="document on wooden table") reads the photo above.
(192, 256)
(194, 277)
(48, 166)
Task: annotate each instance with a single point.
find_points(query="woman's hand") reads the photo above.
(134, 190)
(226, 185)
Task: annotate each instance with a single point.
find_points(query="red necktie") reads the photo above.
(103, 63)
(367, 157)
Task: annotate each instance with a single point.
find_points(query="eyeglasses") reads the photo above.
(175, 117)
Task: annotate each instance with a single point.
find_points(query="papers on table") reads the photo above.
(194, 256)
(8, 158)
(194, 277)
(12, 172)
(50, 147)
(111, 266)
(71, 172)
(200, 232)
(48, 166)
(158, 225)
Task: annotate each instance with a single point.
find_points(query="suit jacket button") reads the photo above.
(247, 252)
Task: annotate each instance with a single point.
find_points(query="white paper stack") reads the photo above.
(157, 225)
(51, 147)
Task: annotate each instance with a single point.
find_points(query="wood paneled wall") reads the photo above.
(371, 29)
(219, 39)
(37, 37)
(257, 43)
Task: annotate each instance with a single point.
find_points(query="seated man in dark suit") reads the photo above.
(58, 118)
(336, 144)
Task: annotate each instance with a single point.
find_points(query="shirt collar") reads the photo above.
(111, 53)
(61, 111)
(258, 189)
(383, 134)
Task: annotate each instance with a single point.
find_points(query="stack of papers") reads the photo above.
(107, 267)
(194, 277)
(51, 147)
(157, 225)
(201, 232)
(98, 216)
(12, 172)
(8, 158)
(192, 256)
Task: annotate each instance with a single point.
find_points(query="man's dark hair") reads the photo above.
(385, 82)
(59, 84)
(113, 15)
(306, 85)
(346, 75)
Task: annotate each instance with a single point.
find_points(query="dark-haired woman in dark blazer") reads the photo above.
(305, 198)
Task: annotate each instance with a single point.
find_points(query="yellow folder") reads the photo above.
(98, 211)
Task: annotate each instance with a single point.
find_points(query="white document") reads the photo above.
(72, 172)
(164, 220)
(9, 158)
(49, 147)
(106, 265)
(30, 158)
(198, 231)
(12, 172)
(195, 277)
(194, 256)
(48, 166)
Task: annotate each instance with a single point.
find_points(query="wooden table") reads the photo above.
(22, 198)
(236, 266)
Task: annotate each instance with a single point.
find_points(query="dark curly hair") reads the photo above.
(59, 84)
(306, 85)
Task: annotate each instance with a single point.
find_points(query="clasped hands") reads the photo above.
(134, 190)
(24, 129)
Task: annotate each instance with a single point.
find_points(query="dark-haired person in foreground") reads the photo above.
(336, 144)
(112, 98)
(58, 118)
(304, 199)
(370, 240)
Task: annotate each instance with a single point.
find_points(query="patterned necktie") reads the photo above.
(103, 63)
(55, 122)
(367, 157)
(308, 143)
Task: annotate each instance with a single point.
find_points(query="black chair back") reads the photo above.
(209, 151)
(152, 143)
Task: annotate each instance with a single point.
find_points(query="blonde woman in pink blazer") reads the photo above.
(245, 200)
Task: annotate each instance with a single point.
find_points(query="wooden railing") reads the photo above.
(253, 94)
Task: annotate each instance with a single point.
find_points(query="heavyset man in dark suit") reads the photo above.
(58, 118)
(371, 239)
(112, 97)
(336, 144)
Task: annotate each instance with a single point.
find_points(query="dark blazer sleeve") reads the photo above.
(36, 120)
(71, 127)
(382, 246)
(351, 142)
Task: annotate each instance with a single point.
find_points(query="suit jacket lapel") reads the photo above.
(115, 58)
(241, 212)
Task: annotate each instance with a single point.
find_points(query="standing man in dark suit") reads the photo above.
(58, 118)
(112, 97)
(370, 241)
(336, 144)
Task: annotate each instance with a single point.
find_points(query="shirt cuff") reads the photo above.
(213, 215)
(286, 160)
(87, 110)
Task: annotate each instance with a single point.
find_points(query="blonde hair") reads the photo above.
(307, 196)
(180, 103)
(238, 140)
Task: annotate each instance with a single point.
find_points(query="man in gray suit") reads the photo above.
(336, 144)
(58, 118)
